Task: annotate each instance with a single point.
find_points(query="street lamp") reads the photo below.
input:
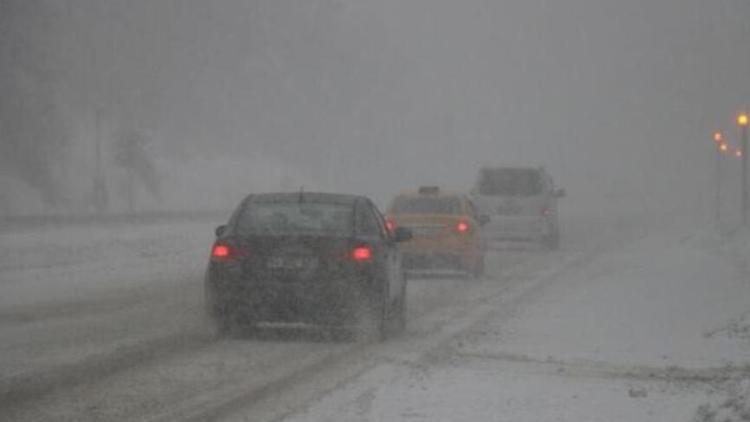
(717, 191)
(742, 121)
(721, 149)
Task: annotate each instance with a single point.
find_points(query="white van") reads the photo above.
(521, 203)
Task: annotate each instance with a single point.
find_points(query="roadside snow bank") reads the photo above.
(82, 263)
(653, 302)
(734, 408)
(732, 404)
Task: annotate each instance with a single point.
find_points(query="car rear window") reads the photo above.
(295, 218)
(510, 182)
(426, 205)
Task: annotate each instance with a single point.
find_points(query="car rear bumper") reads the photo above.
(440, 246)
(437, 261)
(328, 302)
(507, 228)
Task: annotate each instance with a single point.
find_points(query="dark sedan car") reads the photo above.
(324, 259)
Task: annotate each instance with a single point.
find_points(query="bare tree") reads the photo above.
(131, 153)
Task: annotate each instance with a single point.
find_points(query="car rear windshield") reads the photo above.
(426, 205)
(510, 182)
(295, 218)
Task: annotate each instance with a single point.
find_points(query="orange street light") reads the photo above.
(718, 137)
(738, 153)
(723, 147)
(742, 121)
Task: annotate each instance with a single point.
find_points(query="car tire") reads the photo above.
(372, 321)
(222, 325)
(398, 314)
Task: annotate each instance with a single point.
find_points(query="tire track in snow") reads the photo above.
(299, 389)
(18, 390)
(528, 281)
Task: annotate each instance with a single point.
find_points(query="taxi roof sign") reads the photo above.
(429, 190)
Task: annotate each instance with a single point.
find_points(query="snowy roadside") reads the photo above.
(75, 297)
(732, 401)
(656, 330)
(79, 263)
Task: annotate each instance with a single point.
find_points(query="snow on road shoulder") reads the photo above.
(80, 296)
(467, 390)
(74, 263)
(651, 303)
(732, 403)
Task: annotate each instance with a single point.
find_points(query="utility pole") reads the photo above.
(721, 148)
(742, 121)
(100, 188)
(131, 190)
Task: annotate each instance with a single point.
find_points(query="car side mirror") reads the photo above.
(220, 230)
(560, 193)
(484, 219)
(402, 234)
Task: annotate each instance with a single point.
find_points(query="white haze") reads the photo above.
(617, 98)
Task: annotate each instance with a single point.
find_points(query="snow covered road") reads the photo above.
(110, 327)
(89, 312)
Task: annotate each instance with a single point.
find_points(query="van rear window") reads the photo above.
(510, 182)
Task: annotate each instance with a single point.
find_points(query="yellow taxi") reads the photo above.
(445, 229)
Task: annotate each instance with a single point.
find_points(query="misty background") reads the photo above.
(197, 103)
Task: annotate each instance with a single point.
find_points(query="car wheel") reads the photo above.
(372, 319)
(228, 323)
(398, 316)
(222, 325)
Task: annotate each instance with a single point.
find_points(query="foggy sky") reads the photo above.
(378, 96)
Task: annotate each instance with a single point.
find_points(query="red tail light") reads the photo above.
(362, 253)
(223, 252)
(462, 227)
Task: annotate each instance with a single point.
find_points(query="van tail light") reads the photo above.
(390, 225)
(362, 254)
(223, 252)
(463, 227)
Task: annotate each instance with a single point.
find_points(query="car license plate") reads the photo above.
(509, 208)
(291, 263)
